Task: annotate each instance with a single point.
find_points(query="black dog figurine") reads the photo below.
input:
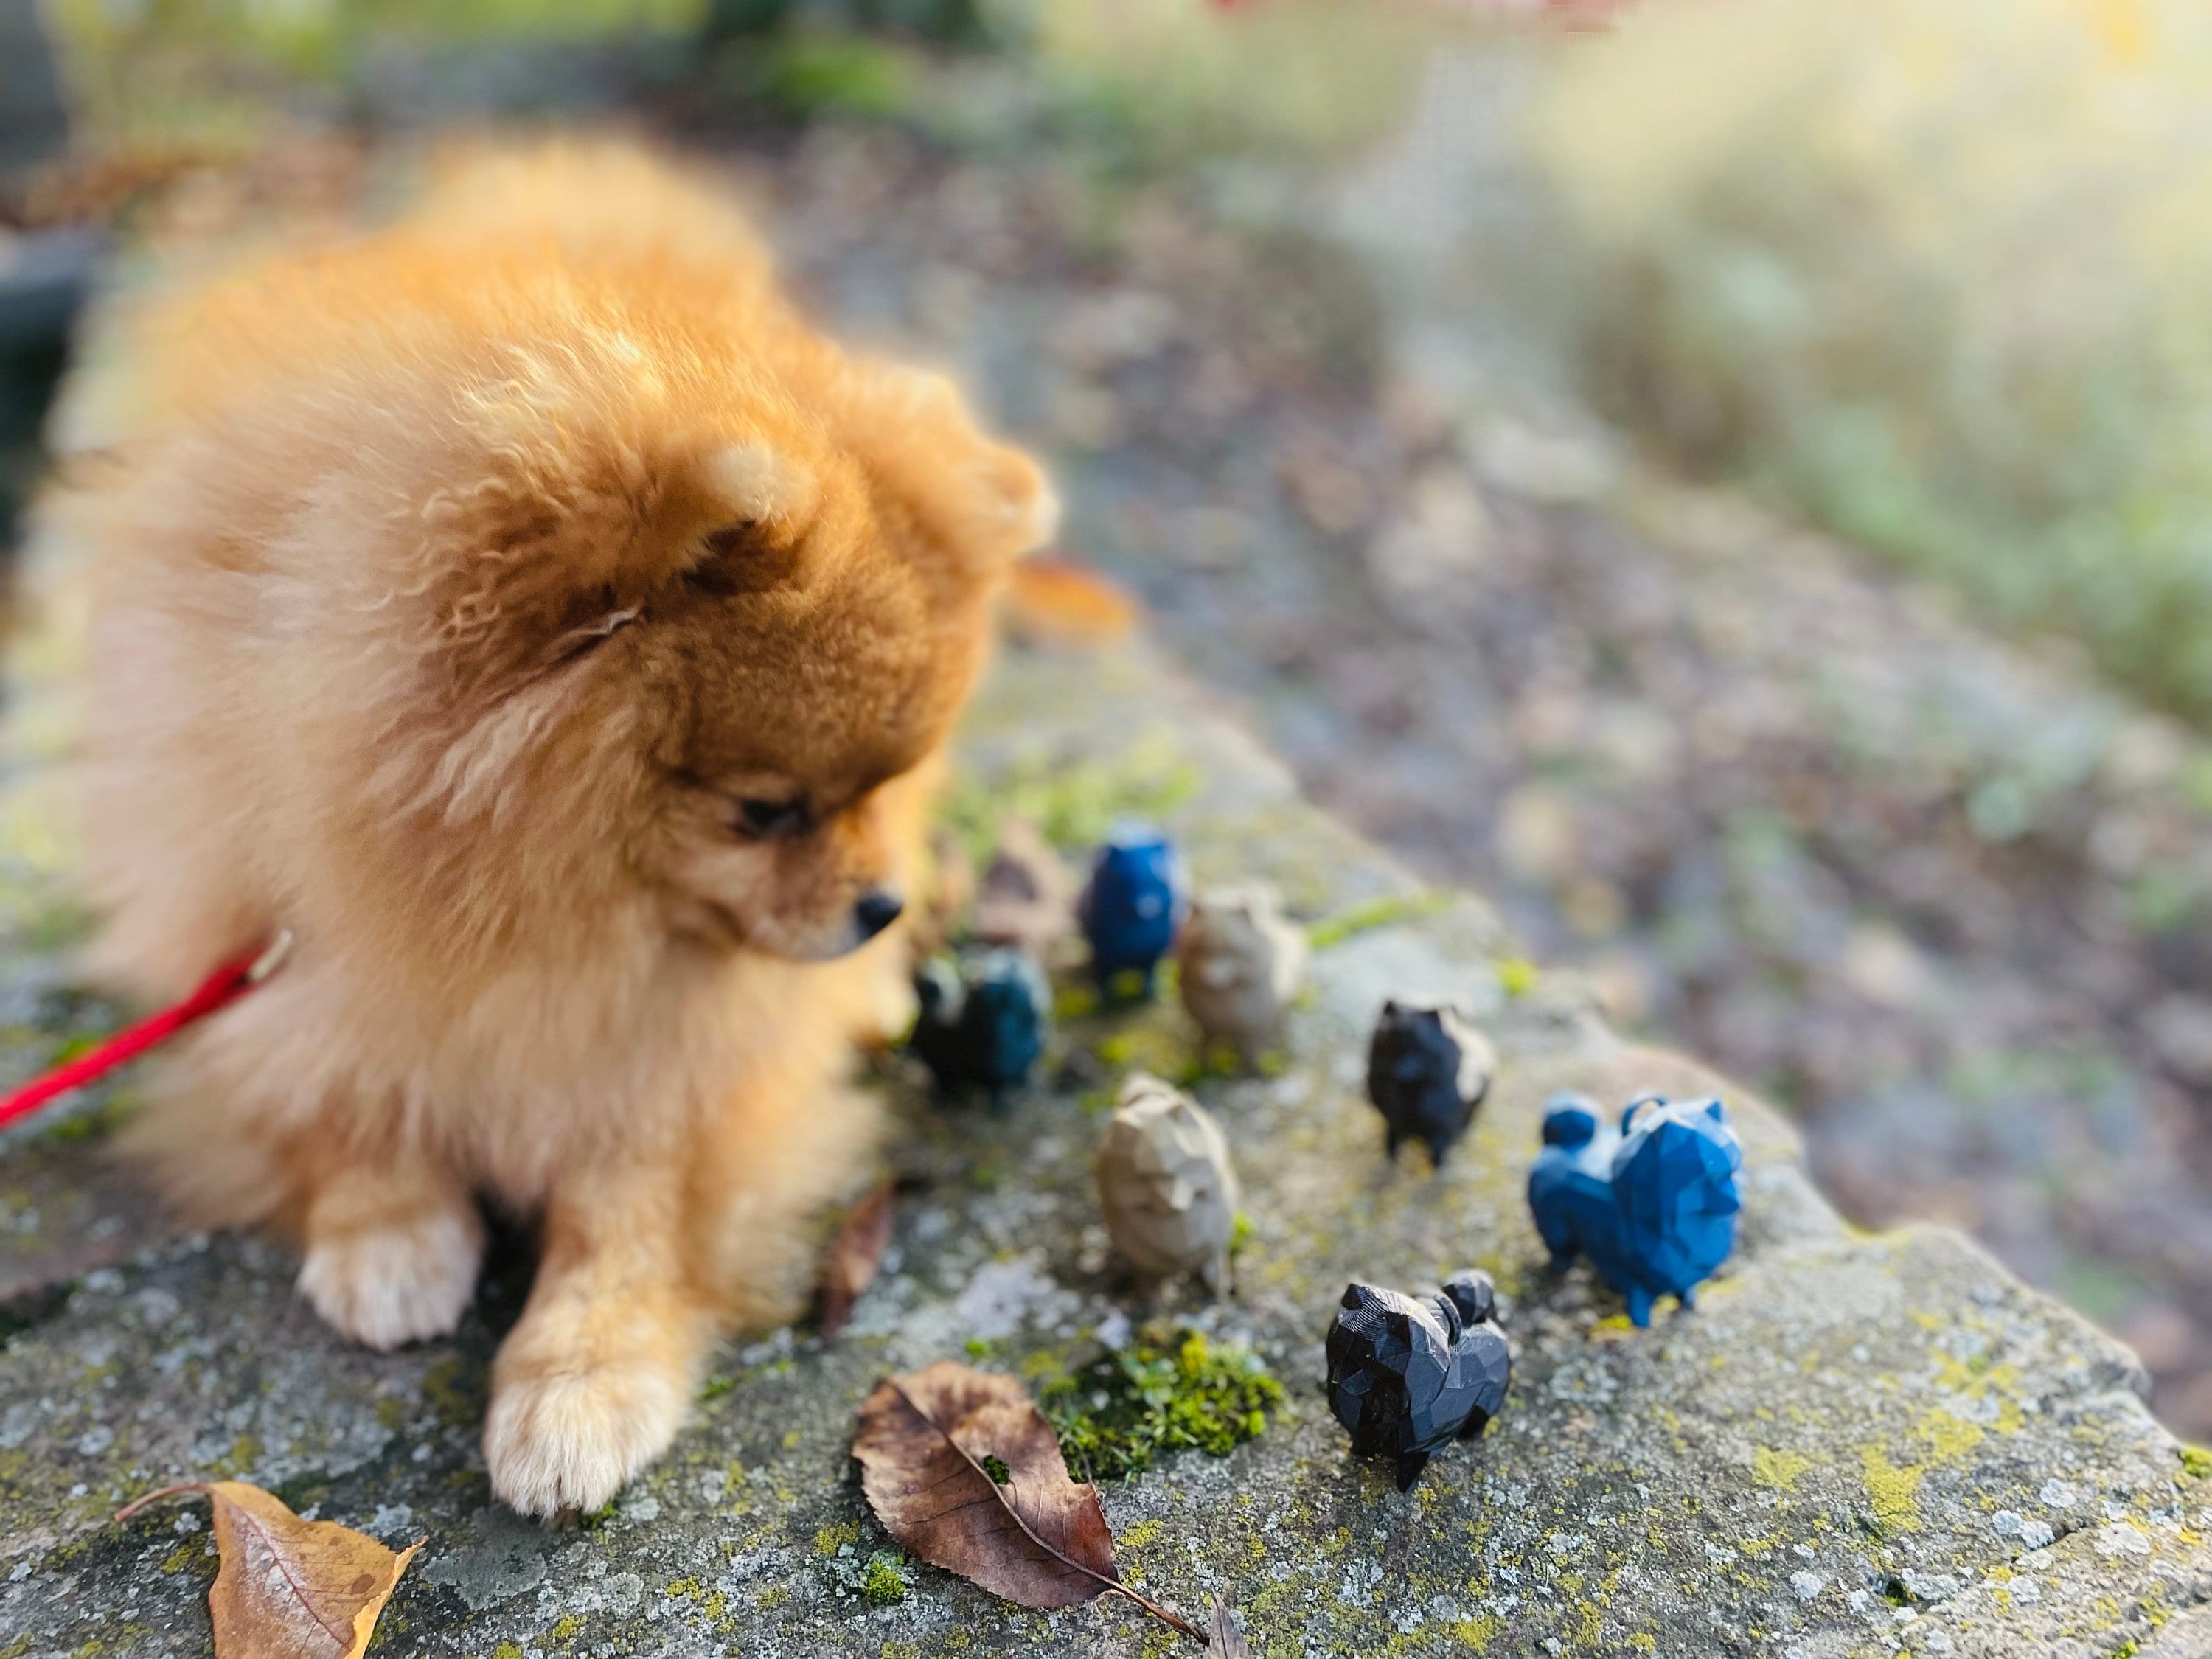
(1407, 1374)
(1428, 1068)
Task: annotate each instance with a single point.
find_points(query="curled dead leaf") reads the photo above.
(1026, 898)
(854, 1255)
(961, 1469)
(288, 1589)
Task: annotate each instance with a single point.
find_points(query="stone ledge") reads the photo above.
(1855, 1445)
(1849, 1430)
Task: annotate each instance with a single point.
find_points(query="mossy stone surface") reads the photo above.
(1855, 1445)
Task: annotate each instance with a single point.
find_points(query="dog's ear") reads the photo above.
(985, 502)
(757, 503)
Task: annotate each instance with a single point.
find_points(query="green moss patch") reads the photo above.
(1119, 1413)
(1384, 912)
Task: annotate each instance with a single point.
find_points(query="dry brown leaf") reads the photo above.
(927, 1445)
(854, 1255)
(1225, 1637)
(289, 1588)
(1026, 895)
(1062, 602)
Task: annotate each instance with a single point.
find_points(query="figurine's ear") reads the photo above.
(1716, 1111)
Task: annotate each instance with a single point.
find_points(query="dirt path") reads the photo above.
(1924, 885)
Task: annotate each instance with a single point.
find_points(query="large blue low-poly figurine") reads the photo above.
(982, 1022)
(1133, 904)
(1653, 1203)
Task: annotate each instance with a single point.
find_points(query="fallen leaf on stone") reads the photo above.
(963, 1470)
(1026, 895)
(854, 1255)
(288, 1589)
(1225, 1639)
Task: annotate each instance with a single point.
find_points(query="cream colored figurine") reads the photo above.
(1164, 1183)
(1239, 962)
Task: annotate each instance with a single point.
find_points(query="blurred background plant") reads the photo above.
(1372, 343)
(1933, 275)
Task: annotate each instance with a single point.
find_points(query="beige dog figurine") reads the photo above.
(1239, 962)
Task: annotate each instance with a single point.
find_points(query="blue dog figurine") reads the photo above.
(1134, 902)
(1653, 1203)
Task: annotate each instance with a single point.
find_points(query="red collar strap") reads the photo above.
(219, 989)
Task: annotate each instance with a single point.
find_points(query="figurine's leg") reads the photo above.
(1409, 1469)
(1438, 1148)
(1215, 1274)
(1688, 1297)
(1477, 1421)
(1391, 1142)
(1563, 1257)
(1639, 1307)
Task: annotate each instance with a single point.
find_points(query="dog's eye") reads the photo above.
(759, 819)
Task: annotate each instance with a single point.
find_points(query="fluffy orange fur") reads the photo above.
(527, 609)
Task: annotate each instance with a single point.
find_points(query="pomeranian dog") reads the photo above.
(525, 608)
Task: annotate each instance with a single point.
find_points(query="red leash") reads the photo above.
(220, 989)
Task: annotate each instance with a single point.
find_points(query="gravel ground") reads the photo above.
(1931, 888)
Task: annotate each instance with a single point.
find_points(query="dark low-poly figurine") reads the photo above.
(1653, 1203)
(1133, 904)
(1428, 1068)
(983, 1020)
(1164, 1183)
(1238, 964)
(1409, 1374)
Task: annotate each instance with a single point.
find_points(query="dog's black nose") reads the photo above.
(876, 909)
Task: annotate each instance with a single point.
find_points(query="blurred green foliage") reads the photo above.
(186, 71)
(1934, 275)
(1183, 78)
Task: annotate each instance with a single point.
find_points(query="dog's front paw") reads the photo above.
(399, 1282)
(570, 1439)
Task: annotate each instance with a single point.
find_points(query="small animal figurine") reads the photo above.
(1164, 1183)
(1653, 1203)
(1133, 904)
(1408, 1374)
(1239, 962)
(1428, 1068)
(983, 1020)
(1026, 898)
